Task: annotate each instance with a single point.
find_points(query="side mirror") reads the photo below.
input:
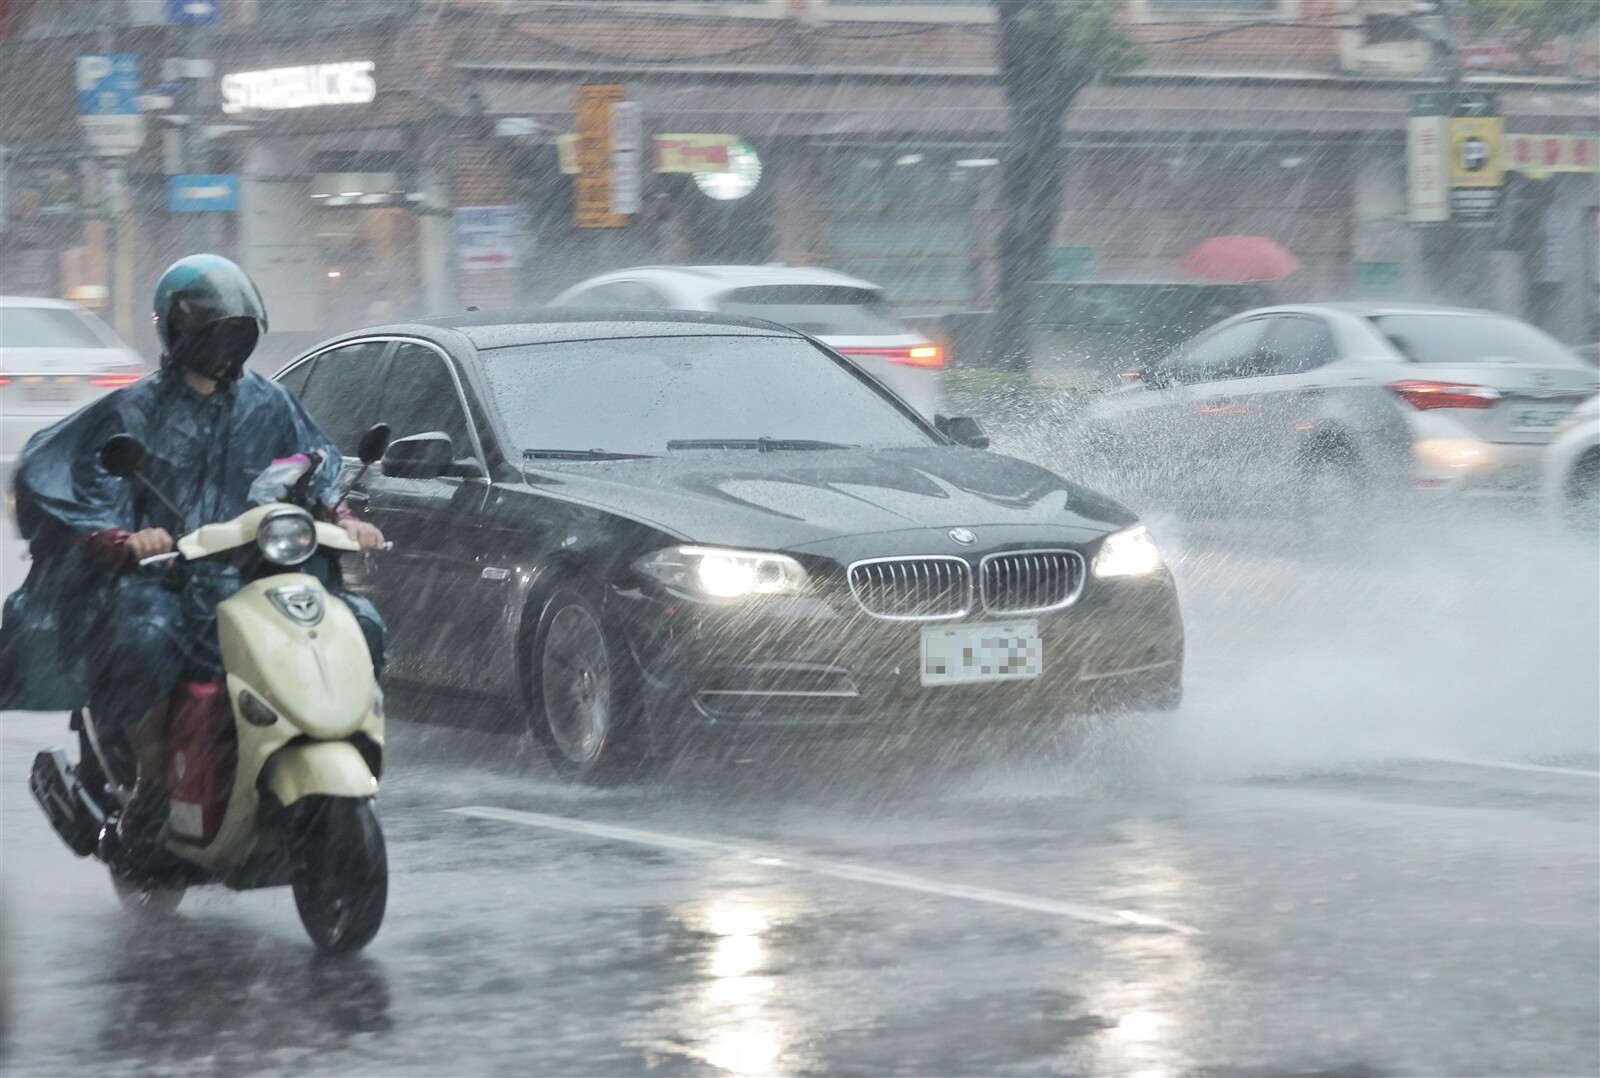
(122, 455)
(963, 430)
(373, 444)
(421, 456)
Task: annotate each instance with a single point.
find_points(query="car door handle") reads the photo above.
(357, 500)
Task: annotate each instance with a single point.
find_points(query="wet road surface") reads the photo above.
(1367, 845)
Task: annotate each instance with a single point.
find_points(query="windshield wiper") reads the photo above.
(765, 445)
(579, 454)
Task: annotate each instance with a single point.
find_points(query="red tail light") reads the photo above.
(1425, 395)
(4, 381)
(114, 381)
(921, 355)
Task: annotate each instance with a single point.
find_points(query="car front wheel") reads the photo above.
(583, 690)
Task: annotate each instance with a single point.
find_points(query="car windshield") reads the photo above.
(1470, 338)
(652, 395)
(821, 310)
(50, 327)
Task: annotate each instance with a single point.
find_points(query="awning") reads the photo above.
(815, 108)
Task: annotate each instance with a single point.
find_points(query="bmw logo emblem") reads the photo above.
(964, 536)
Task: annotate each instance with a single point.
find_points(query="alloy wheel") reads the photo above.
(576, 678)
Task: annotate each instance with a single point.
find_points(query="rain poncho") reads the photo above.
(203, 453)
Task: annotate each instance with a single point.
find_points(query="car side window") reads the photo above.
(632, 294)
(420, 396)
(600, 295)
(1301, 343)
(294, 380)
(341, 390)
(1236, 351)
(641, 296)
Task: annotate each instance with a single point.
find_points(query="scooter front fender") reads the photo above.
(319, 768)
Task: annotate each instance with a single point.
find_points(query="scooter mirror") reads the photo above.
(373, 444)
(122, 455)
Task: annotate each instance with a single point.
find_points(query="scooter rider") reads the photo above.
(210, 427)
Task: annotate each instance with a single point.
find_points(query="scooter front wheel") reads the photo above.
(145, 899)
(339, 871)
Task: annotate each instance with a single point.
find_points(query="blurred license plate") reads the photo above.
(1538, 417)
(49, 394)
(1000, 651)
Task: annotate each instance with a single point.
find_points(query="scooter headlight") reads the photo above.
(287, 538)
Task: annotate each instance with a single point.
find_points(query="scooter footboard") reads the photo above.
(319, 768)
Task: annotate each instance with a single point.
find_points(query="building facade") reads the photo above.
(412, 157)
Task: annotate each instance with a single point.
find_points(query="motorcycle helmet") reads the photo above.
(209, 316)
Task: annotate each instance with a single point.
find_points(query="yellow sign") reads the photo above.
(1475, 151)
(592, 188)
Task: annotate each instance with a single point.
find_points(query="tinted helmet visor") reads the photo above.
(218, 349)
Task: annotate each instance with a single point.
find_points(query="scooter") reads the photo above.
(272, 769)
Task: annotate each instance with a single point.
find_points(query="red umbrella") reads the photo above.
(1238, 259)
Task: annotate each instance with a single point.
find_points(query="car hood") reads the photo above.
(793, 500)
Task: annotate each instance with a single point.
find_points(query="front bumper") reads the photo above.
(823, 661)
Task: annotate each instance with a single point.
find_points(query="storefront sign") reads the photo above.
(694, 153)
(350, 83)
(1426, 168)
(488, 237)
(627, 157)
(592, 189)
(1476, 175)
(1536, 155)
(1494, 53)
(672, 153)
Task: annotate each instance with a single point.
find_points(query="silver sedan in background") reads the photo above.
(55, 357)
(1309, 409)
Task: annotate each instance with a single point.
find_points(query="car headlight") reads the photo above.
(1128, 553)
(288, 538)
(712, 573)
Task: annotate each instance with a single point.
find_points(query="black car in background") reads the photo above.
(627, 524)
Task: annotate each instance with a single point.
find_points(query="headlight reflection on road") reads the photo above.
(1149, 982)
(737, 1017)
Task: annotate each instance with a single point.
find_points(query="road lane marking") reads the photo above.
(1508, 765)
(836, 869)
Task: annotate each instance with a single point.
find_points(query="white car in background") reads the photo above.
(55, 357)
(1310, 407)
(1572, 468)
(849, 315)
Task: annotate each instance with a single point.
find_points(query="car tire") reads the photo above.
(584, 690)
(1580, 494)
(1333, 494)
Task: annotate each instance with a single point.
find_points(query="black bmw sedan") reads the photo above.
(626, 525)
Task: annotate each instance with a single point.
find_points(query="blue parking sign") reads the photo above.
(194, 12)
(107, 84)
(203, 193)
